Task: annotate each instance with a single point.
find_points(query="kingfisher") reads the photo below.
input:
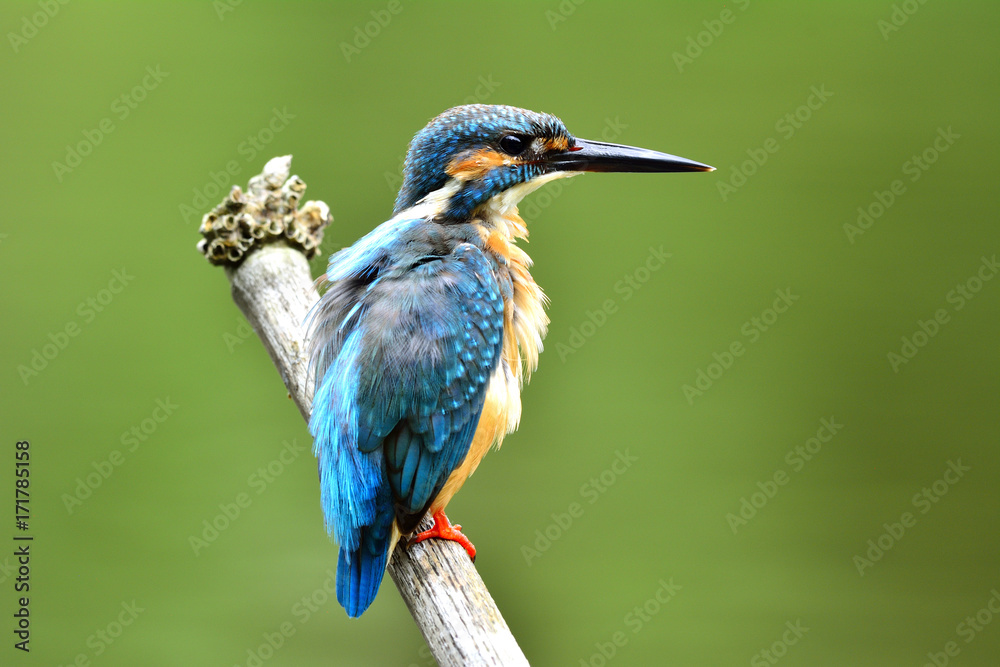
(429, 327)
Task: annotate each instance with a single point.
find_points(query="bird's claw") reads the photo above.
(443, 529)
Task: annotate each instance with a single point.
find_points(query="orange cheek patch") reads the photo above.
(557, 144)
(475, 165)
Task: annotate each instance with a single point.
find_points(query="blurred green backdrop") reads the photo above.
(768, 546)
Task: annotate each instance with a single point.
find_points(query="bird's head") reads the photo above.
(476, 152)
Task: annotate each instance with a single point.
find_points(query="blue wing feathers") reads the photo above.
(404, 347)
(349, 478)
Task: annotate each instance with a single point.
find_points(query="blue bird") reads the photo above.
(430, 325)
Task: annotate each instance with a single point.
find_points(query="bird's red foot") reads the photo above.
(445, 530)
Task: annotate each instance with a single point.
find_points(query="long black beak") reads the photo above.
(600, 156)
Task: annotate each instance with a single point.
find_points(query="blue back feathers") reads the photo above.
(404, 345)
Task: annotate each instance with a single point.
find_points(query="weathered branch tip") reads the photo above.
(267, 213)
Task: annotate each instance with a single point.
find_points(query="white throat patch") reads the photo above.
(502, 203)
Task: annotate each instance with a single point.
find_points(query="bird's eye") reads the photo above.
(512, 144)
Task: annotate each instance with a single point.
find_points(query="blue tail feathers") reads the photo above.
(359, 572)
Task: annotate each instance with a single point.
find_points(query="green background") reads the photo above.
(606, 69)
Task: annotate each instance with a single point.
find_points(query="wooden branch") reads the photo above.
(263, 240)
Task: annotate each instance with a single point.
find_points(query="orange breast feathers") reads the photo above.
(525, 321)
(493, 425)
(525, 325)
